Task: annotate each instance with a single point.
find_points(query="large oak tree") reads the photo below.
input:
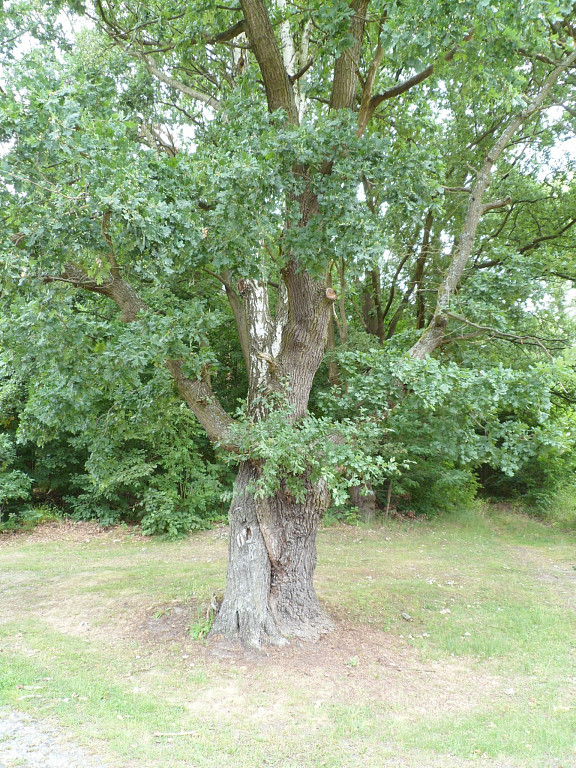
(269, 154)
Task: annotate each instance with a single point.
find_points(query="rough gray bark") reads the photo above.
(304, 335)
(289, 528)
(279, 90)
(345, 79)
(268, 597)
(269, 593)
(365, 502)
(245, 613)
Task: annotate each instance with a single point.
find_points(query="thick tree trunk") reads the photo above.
(245, 613)
(289, 529)
(365, 501)
(269, 594)
(269, 584)
(269, 591)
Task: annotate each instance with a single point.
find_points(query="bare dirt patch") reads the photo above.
(68, 530)
(25, 743)
(167, 623)
(540, 567)
(352, 663)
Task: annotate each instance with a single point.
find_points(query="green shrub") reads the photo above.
(15, 484)
(445, 421)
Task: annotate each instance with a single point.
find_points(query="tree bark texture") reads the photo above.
(269, 585)
(345, 79)
(365, 502)
(304, 335)
(279, 90)
(269, 593)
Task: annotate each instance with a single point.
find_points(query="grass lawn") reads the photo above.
(455, 647)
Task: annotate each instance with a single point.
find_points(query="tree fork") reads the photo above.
(434, 334)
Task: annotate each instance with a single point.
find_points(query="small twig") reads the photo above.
(176, 733)
(301, 72)
(388, 498)
(499, 334)
(224, 282)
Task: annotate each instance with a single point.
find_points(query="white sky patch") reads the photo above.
(570, 302)
(563, 152)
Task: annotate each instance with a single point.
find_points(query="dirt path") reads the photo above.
(25, 743)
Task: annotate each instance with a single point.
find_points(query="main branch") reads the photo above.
(279, 90)
(196, 393)
(432, 337)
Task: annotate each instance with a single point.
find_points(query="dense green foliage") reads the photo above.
(107, 166)
(448, 421)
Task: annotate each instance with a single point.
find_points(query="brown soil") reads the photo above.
(353, 660)
(67, 530)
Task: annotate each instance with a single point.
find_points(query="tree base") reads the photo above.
(269, 595)
(234, 626)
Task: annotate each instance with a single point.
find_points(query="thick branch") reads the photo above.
(466, 190)
(563, 276)
(495, 204)
(121, 292)
(197, 394)
(229, 34)
(433, 335)
(199, 397)
(302, 71)
(346, 68)
(279, 91)
(366, 110)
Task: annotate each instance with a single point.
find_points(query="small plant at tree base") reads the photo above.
(202, 627)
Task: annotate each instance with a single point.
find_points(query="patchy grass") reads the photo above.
(456, 647)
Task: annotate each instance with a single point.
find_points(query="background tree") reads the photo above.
(181, 156)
